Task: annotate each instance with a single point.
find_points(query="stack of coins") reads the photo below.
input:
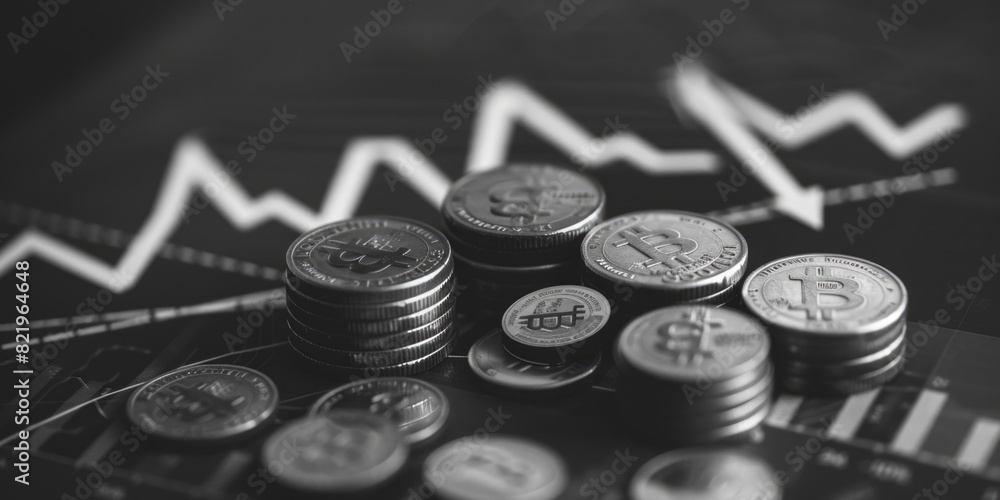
(694, 374)
(371, 295)
(518, 228)
(645, 260)
(837, 323)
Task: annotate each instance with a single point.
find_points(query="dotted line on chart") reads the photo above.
(95, 233)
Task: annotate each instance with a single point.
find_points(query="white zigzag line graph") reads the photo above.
(193, 167)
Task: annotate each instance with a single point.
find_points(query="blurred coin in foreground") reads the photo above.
(204, 404)
(418, 408)
(339, 452)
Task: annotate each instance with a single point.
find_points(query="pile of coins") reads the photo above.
(646, 260)
(371, 295)
(518, 228)
(837, 323)
(694, 374)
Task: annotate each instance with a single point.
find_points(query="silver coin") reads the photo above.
(378, 367)
(552, 325)
(693, 424)
(335, 339)
(418, 408)
(843, 386)
(705, 474)
(372, 312)
(818, 348)
(378, 357)
(339, 452)
(688, 342)
(492, 363)
(846, 368)
(380, 327)
(826, 294)
(698, 398)
(676, 255)
(501, 467)
(523, 207)
(206, 403)
(369, 260)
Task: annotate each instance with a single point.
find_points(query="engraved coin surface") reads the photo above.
(492, 363)
(523, 207)
(370, 259)
(556, 316)
(704, 474)
(826, 294)
(418, 408)
(204, 403)
(686, 342)
(503, 468)
(344, 451)
(682, 255)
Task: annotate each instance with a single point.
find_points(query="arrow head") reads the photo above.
(804, 205)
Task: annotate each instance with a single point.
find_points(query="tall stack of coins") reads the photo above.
(645, 260)
(837, 323)
(372, 295)
(518, 228)
(694, 374)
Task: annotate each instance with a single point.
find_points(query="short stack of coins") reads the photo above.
(371, 295)
(837, 323)
(646, 260)
(694, 374)
(518, 228)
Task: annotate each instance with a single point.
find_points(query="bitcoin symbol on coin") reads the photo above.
(363, 259)
(822, 283)
(690, 338)
(666, 247)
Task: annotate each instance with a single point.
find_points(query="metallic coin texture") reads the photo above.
(339, 452)
(826, 294)
(704, 474)
(418, 408)
(502, 468)
(378, 367)
(678, 255)
(556, 317)
(204, 403)
(396, 355)
(523, 207)
(370, 259)
(347, 342)
(686, 342)
(371, 312)
(492, 363)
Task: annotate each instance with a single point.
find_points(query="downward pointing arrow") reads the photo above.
(702, 99)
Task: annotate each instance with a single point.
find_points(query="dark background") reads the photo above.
(603, 61)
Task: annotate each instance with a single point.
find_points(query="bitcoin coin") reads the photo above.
(492, 363)
(418, 408)
(502, 468)
(555, 325)
(371, 312)
(204, 404)
(369, 260)
(706, 474)
(686, 342)
(399, 354)
(337, 452)
(348, 342)
(523, 207)
(669, 255)
(825, 294)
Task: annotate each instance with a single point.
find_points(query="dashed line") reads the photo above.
(116, 238)
(764, 210)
